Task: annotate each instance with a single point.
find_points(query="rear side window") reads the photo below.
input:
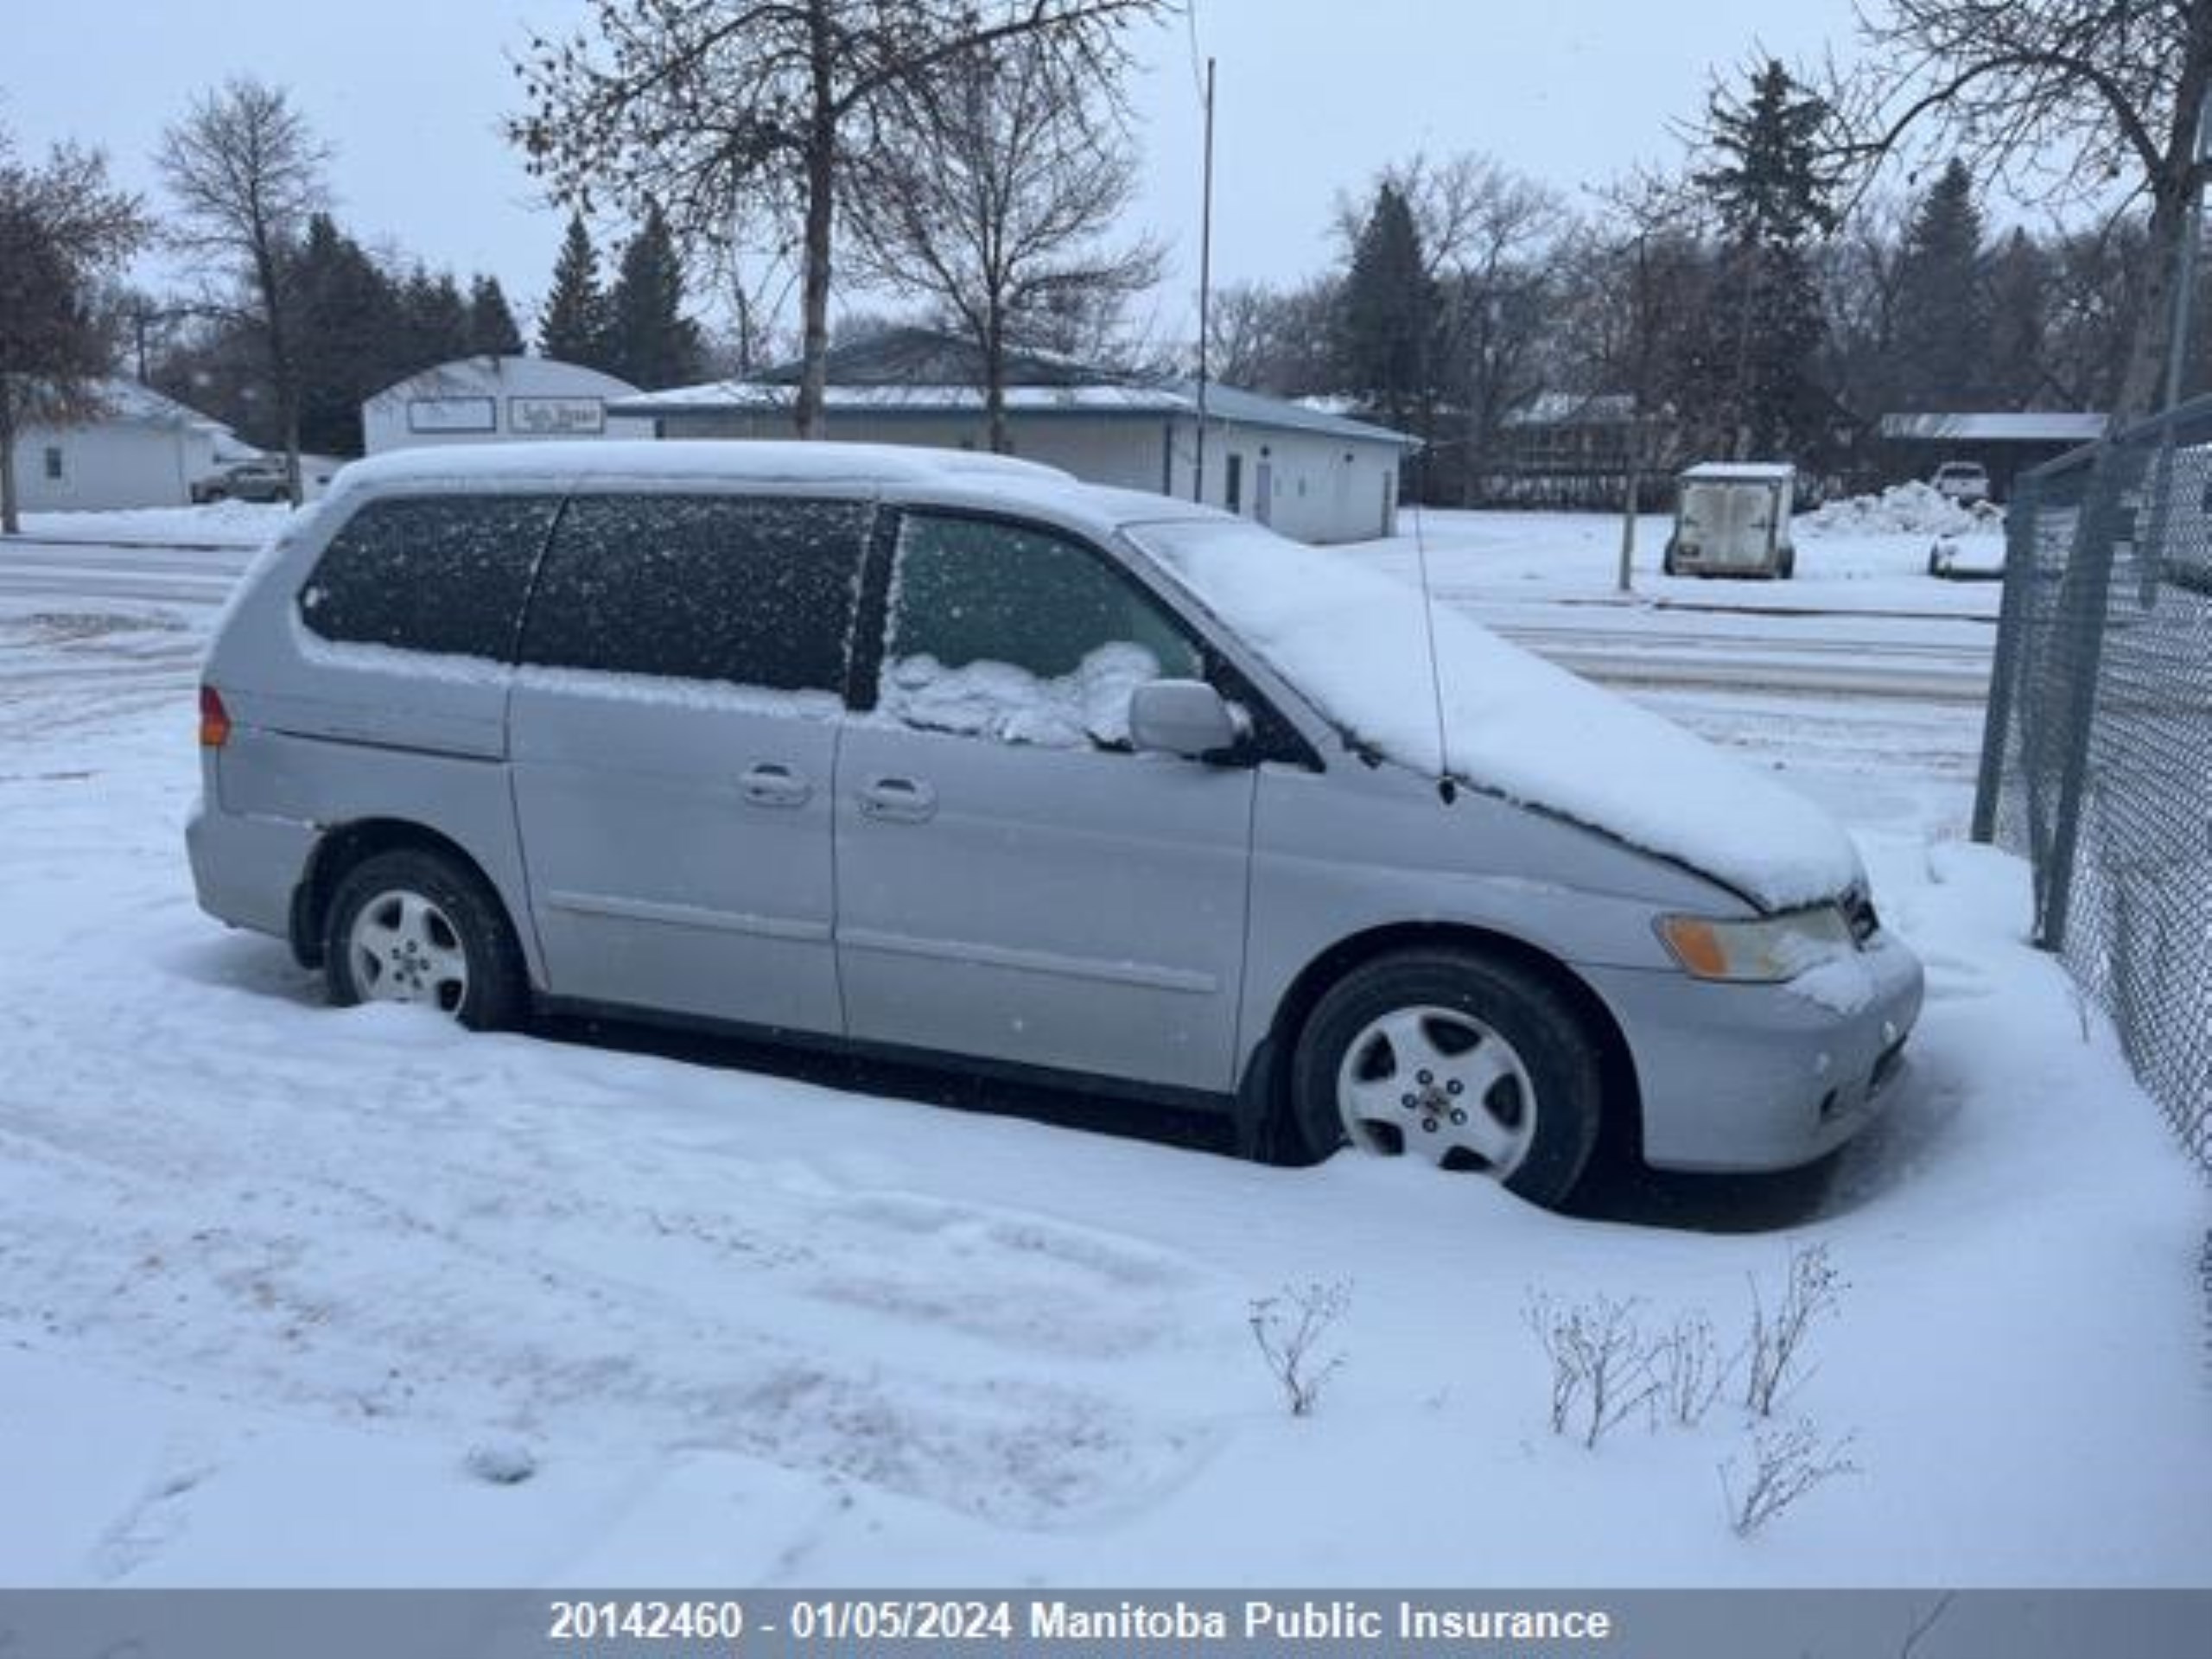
(752, 591)
(445, 574)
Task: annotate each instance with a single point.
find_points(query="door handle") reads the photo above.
(902, 800)
(771, 784)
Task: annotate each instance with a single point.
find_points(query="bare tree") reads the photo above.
(1275, 341)
(63, 228)
(1240, 321)
(732, 112)
(1860, 273)
(1486, 234)
(2061, 101)
(247, 174)
(993, 200)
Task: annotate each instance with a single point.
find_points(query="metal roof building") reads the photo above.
(1310, 473)
(2006, 442)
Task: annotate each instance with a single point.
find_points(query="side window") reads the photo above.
(753, 591)
(1019, 635)
(444, 574)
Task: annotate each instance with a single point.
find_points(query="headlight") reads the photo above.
(1762, 953)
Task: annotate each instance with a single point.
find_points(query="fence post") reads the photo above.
(2084, 592)
(2020, 515)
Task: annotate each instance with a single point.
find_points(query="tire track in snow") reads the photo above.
(520, 1283)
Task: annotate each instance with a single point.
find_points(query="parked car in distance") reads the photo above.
(1966, 482)
(1979, 559)
(260, 478)
(941, 755)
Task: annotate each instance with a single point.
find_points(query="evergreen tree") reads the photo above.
(433, 319)
(1771, 186)
(491, 330)
(1941, 319)
(573, 326)
(348, 336)
(1387, 313)
(2020, 303)
(649, 341)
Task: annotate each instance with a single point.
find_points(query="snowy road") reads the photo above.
(286, 1295)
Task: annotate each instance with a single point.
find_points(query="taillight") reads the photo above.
(214, 719)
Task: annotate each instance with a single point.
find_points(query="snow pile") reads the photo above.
(221, 523)
(1356, 643)
(1012, 705)
(1912, 508)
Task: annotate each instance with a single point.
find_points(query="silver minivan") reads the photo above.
(950, 755)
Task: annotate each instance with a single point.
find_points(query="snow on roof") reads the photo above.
(772, 398)
(127, 400)
(1165, 398)
(478, 374)
(581, 461)
(1764, 472)
(2020, 426)
(1573, 409)
(1354, 641)
(920, 372)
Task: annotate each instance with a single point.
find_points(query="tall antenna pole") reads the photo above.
(1205, 288)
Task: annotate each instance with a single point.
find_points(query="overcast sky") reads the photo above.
(1314, 95)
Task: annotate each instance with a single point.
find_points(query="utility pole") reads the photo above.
(2185, 279)
(1205, 288)
(1624, 581)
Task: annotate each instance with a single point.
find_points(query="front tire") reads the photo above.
(1471, 1063)
(417, 926)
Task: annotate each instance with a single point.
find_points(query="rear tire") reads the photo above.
(1502, 1075)
(418, 926)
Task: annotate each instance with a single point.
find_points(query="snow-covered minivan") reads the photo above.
(952, 755)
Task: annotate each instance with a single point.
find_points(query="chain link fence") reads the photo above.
(2097, 759)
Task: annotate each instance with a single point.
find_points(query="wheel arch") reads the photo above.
(1620, 1133)
(345, 846)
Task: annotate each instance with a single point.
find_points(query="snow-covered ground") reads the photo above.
(295, 1296)
(226, 523)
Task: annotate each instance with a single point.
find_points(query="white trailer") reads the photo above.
(1731, 518)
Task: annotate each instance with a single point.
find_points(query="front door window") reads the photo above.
(1011, 634)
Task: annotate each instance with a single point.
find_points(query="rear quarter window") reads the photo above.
(446, 575)
(754, 591)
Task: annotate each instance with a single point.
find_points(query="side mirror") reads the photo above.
(1185, 717)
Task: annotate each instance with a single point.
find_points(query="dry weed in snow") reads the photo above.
(1290, 1328)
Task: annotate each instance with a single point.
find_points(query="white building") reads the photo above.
(1309, 473)
(145, 451)
(495, 399)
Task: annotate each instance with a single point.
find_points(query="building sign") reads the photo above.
(452, 415)
(556, 417)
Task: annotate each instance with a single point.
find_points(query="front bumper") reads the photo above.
(1763, 1076)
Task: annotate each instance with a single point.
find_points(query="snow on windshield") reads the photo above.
(1354, 641)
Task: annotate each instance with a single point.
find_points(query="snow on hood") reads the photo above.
(1353, 640)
